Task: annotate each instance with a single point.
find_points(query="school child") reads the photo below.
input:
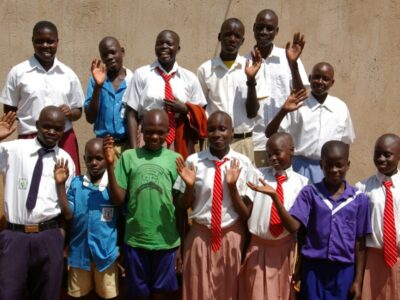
(93, 247)
(228, 82)
(312, 121)
(335, 217)
(281, 72)
(166, 85)
(212, 184)
(381, 280)
(32, 244)
(268, 266)
(146, 176)
(104, 105)
(40, 81)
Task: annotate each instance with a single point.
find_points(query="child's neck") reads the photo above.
(335, 190)
(168, 66)
(219, 153)
(96, 180)
(46, 65)
(228, 56)
(320, 98)
(116, 77)
(266, 51)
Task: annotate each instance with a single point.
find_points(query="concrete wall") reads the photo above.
(360, 38)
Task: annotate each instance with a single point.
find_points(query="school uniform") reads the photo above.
(380, 281)
(226, 90)
(268, 266)
(332, 227)
(274, 83)
(31, 256)
(311, 126)
(212, 274)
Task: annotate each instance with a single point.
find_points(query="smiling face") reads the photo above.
(387, 154)
(280, 151)
(45, 43)
(50, 126)
(321, 79)
(167, 47)
(155, 128)
(231, 37)
(220, 133)
(265, 28)
(334, 162)
(94, 159)
(111, 54)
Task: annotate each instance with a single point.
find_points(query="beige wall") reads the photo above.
(360, 38)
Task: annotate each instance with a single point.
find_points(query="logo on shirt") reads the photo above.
(22, 183)
(107, 214)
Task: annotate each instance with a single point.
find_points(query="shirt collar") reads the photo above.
(394, 178)
(36, 146)
(156, 64)
(288, 172)
(124, 84)
(314, 104)
(207, 155)
(35, 64)
(102, 184)
(348, 192)
(217, 62)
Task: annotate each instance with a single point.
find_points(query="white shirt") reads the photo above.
(259, 220)
(17, 161)
(30, 88)
(146, 90)
(274, 82)
(313, 124)
(225, 89)
(373, 187)
(205, 172)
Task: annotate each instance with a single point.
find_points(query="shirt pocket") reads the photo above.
(349, 228)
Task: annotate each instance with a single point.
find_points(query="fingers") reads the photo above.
(287, 46)
(108, 142)
(9, 118)
(180, 164)
(248, 61)
(262, 182)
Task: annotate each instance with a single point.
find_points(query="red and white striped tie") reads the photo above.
(169, 96)
(216, 207)
(389, 228)
(275, 224)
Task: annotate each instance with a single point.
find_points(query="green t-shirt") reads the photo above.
(148, 177)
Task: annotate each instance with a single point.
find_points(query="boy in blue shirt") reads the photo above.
(93, 248)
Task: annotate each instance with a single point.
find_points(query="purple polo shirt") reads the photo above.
(331, 226)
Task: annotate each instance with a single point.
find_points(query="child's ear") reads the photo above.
(277, 30)
(309, 78)
(219, 37)
(123, 51)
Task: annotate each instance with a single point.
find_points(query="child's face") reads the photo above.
(387, 155)
(111, 55)
(220, 132)
(279, 154)
(231, 37)
(94, 159)
(155, 130)
(167, 47)
(334, 166)
(265, 29)
(45, 42)
(321, 79)
(50, 127)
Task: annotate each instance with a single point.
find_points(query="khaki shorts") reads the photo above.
(81, 282)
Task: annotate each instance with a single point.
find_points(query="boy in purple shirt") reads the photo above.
(335, 218)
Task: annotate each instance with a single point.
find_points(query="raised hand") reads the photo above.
(232, 173)
(293, 51)
(264, 188)
(295, 100)
(251, 71)
(66, 110)
(99, 72)
(108, 149)
(187, 173)
(7, 124)
(61, 171)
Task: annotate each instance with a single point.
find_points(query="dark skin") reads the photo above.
(111, 67)
(387, 154)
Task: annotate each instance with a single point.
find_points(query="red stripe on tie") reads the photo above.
(275, 223)
(389, 228)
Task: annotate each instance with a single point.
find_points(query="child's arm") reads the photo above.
(241, 206)
(61, 173)
(289, 222)
(355, 290)
(252, 104)
(188, 175)
(292, 103)
(72, 114)
(116, 192)
(293, 53)
(99, 75)
(7, 124)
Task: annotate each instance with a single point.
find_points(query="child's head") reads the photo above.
(167, 46)
(231, 37)
(155, 127)
(280, 151)
(45, 41)
(387, 154)
(94, 159)
(220, 131)
(265, 28)
(335, 162)
(50, 126)
(321, 79)
(111, 54)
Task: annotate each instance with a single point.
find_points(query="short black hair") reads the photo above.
(44, 24)
(339, 146)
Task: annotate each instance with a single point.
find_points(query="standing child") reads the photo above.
(93, 247)
(381, 278)
(268, 266)
(145, 177)
(104, 105)
(313, 121)
(213, 183)
(335, 217)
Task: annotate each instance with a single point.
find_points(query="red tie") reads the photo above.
(217, 207)
(169, 96)
(275, 223)
(389, 228)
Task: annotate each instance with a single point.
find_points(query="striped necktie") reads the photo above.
(389, 228)
(275, 224)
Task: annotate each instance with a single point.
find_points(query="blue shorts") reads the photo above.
(149, 271)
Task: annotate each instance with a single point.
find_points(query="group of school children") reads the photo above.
(292, 229)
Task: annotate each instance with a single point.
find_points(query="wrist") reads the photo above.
(251, 81)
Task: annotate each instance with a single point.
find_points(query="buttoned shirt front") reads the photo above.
(146, 90)
(374, 189)
(259, 220)
(29, 88)
(332, 226)
(203, 188)
(314, 123)
(17, 161)
(225, 89)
